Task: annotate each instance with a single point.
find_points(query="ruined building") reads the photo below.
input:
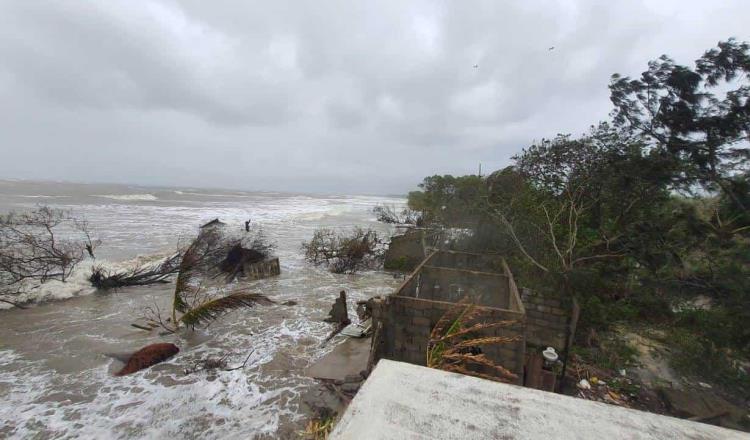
(403, 320)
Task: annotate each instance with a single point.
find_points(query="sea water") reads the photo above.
(55, 377)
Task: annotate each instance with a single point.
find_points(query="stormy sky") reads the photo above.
(319, 96)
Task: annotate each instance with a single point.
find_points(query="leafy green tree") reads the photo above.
(449, 200)
(698, 119)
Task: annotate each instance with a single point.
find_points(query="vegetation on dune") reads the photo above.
(639, 215)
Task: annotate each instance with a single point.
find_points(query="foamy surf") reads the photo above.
(55, 381)
(128, 197)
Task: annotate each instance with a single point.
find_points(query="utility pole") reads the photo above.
(480, 169)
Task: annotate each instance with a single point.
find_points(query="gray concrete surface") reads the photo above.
(404, 401)
(348, 358)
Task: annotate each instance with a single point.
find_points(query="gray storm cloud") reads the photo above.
(317, 96)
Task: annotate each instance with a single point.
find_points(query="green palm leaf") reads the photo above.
(210, 310)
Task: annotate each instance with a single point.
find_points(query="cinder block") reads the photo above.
(421, 321)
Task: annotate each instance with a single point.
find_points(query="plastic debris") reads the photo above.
(584, 384)
(549, 354)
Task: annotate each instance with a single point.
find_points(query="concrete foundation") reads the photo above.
(403, 401)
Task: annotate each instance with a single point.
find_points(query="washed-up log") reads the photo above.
(148, 356)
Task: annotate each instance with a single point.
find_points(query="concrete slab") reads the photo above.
(347, 359)
(405, 401)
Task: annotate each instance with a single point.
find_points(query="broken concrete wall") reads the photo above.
(447, 284)
(405, 325)
(404, 320)
(405, 251)
(550, 320)
(261, 269)
(468, 261)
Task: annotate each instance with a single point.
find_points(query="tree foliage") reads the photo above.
(448, 200)
(637, 215)
(344, 253)
(698, 119)
(393, 216)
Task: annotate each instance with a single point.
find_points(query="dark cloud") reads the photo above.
(317, 96)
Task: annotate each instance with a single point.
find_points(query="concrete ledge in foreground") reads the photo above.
(404, 401)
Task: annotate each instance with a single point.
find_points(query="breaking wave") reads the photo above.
(128, 197)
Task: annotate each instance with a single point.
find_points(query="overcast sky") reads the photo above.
(349, 96)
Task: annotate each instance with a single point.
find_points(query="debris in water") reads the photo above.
(148, 356)
(339, 313)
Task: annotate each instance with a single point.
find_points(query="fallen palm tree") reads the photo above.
(139, 275)
(193, 302)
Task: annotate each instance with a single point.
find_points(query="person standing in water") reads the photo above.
(247, 226)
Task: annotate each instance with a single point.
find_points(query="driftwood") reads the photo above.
(216, 364)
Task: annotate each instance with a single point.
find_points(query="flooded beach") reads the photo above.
(56, 379)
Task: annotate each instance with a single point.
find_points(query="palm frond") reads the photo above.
(454, 339)
(480, 359)
(460, 369)
(190, 260)
(449, 319)
(475, 328)
(492, 340)
(214, 308)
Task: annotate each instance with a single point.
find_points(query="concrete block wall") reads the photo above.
(405, 251)
(468, 261)
(548, 319)
(262, 269)
(448, 284)
(406, 323)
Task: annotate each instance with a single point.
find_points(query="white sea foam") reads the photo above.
(53, 384)
(76, 285)
(136, 406)
(42, 196)
(128, 197)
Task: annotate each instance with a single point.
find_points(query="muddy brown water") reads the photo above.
(56, 380)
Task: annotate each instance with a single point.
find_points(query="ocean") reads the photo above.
(55, 377)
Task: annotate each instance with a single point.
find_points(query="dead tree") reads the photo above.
(38, 246)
